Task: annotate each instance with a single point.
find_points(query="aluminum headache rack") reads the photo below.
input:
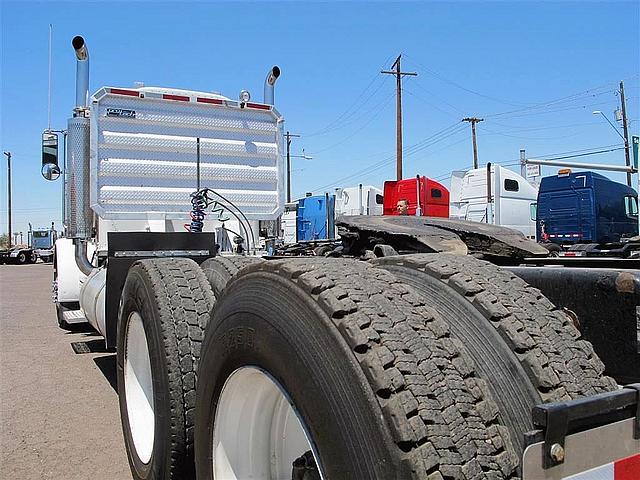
(148, 146)
(591, 438)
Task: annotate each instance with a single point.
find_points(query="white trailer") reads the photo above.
(425, 366)
(508, 199)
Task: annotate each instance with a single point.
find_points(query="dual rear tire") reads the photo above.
(422, 366)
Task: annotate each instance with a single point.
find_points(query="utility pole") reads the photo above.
(626, 132)
(289, 137)
(398, 73)
(8, 154)
(473, 121)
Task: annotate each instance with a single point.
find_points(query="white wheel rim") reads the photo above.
(257, 432)
(138, 387)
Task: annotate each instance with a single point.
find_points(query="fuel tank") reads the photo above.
(92, 297)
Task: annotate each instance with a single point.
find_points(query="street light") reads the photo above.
(598, 112)
(8, 154)
(289, 157)
(624, 139)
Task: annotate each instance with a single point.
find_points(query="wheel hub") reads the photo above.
(257, 432)
(138, 386)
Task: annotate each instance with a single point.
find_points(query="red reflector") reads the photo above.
(119, 91)
(570, 254)
(259, 106)
(180, 98)
(627, 468)
(215, 101)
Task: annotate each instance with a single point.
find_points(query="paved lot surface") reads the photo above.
(59, 415)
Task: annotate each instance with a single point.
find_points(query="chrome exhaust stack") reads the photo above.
(82, 72)
(269, 85)
(80, 215)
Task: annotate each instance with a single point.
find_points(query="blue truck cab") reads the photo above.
(315, 218)
(585, 207)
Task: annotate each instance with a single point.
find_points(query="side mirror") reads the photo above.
(50, 156)
(50, 171)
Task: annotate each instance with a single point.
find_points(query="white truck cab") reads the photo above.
(359, 200)
(512, 198)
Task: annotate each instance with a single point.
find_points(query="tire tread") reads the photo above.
(560, 364)
(440, 414)
(184, 300)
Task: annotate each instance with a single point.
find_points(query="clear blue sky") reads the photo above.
(472, 59)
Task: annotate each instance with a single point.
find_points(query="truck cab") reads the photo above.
(585, 208)
(42, 242)
(512, 198)
(360, 200)
(425, 197)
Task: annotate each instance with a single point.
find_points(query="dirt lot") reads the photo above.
(59, 414)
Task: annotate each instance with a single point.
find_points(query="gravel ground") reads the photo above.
(59, 415)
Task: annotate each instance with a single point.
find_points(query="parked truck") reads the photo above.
(494, 195)
(42, 241)
(19, 254)
(586, 213)
(424, 360)
(39, 245)
(359, 200)
(423, 196)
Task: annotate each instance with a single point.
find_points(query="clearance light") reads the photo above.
(563, 172)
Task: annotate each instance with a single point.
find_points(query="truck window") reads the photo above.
(436, 193)
(511, 185)
(533, 209)
(631, 206)
(40, 234)
(379, 199)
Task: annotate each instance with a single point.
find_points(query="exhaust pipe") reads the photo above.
(269, 84)
(82, 71)
(80, 215)
(82, 261)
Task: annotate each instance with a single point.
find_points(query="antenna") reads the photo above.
(49, 93)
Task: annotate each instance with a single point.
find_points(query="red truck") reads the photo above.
(426, 197)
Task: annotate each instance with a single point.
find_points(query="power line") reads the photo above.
(461, 87)
(511, 163)
(379, 111)
(410, 150)
(356, 103)
(453, 107)
(349, 118)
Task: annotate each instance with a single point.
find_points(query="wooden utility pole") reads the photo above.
(626, 132)
(398, 73)
(473, 121)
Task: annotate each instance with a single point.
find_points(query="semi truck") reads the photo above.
(19, 254)
(42, 241)
(424, 197)
(587, 213)
(494, 195)
(39, 245)
(415, 350)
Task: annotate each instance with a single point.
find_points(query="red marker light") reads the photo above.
(119, 91)
(180, 98)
